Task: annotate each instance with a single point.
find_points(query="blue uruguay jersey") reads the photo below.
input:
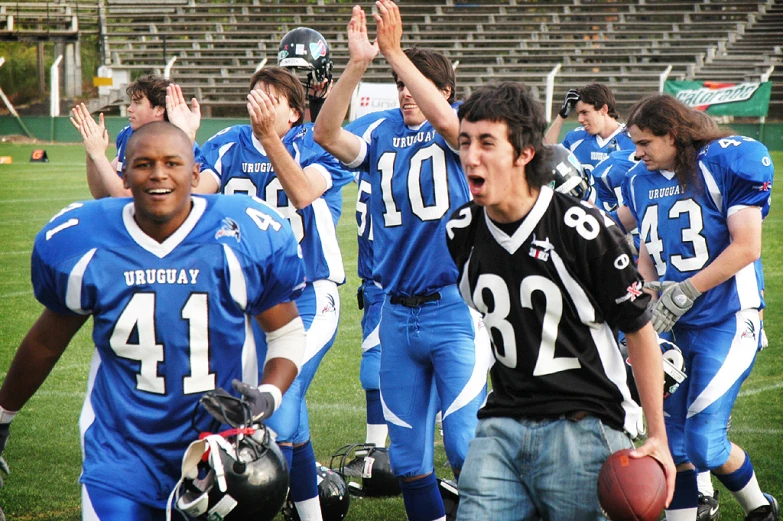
(417, 182)
(685, 232)
(122, 142)
(361, 127)
(240, 165)
(608, 178)
(591, 150)
(171, 321)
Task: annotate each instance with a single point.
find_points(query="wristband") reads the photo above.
(277, 394)
(6, 416)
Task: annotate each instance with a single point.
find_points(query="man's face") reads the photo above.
(141, 112)
(285, 116)
(592, 119)
(488, 160)
(657, 152)
(160, 172)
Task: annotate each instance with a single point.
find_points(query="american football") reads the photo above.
(631, 489)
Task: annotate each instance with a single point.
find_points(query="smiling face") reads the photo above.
(411, 113)
(657, 152)
(141, 112)
(495, 175)
(594, 120)
(160, 172)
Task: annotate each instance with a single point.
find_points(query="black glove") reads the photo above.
(572, 96)
(261, 403)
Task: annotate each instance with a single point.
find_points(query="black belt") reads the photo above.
(414, 300)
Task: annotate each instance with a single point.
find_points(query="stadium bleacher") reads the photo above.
(624, 43)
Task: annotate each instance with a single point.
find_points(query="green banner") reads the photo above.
(721, 98)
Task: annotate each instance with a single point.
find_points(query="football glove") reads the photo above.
(262, 403)
(569, 103)
(675, 300)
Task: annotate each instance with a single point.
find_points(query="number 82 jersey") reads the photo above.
(553, 295)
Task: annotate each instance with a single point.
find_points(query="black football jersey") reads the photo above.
(553, 296)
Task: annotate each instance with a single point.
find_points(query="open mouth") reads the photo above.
(476, 181)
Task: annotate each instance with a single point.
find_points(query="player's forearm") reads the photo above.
(647, 363)
(439, 113)
(37, 354)
(328, 131)
(102, 179)
(300, 188)
(552, 135)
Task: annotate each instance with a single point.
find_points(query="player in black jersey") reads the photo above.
(554, 279)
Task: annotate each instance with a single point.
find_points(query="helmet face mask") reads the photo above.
(238, 474)
(376, 480)
(569, 176)
(306, 49)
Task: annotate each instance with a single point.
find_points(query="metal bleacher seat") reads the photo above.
(624, 43)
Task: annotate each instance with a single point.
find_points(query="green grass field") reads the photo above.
(43, 450)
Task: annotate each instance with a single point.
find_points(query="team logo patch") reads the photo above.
(540, 249)
(282, 54)
(330, 306)
(632, 291)
(317, 49)
(229, 229)
(750, 330)
(764, 187)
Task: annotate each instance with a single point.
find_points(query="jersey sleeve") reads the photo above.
(604, 195)
(617, 284)
(273, 268)
(746, 169)
(216, 152)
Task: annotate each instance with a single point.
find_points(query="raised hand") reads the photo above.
(359, 45)
(572, 96)
(261, 107)
(389, 22)
(187, 118)
(94, 135)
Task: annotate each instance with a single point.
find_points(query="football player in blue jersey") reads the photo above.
(554, 280)
(149, 96)
(600, 133)
(172, 282)
(275, 158)
(698, 196)
(429, 355)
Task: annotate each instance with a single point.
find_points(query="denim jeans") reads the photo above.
(531, 470)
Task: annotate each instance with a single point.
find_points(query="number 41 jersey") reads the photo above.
(553, 295)
(171, 321)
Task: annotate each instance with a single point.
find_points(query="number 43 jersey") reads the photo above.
(171, 321)
(553, 295)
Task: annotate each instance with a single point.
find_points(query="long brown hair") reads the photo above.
(665, 115)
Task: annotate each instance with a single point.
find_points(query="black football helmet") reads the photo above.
(306, 49)
(673, 368)
(236, 475)
(569, 177)
(450, 495)
(332, 494)
(377, 479)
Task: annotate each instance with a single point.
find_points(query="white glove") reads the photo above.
(675, 300)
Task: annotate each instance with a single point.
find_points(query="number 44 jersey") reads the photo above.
(553, 295)
(171, 321)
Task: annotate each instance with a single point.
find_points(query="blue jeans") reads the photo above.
(529, 470)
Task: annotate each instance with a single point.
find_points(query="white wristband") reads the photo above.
(6, 416)
(277, 394)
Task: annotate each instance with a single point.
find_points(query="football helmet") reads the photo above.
(235, 475)
(332, 494)
(569, 177)
(673, 368)
(306, 49)
(450, 495)
(377, 479)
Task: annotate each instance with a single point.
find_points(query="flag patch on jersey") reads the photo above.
(540, 249)
(764, 187)
(229, 229)
(632, 291)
